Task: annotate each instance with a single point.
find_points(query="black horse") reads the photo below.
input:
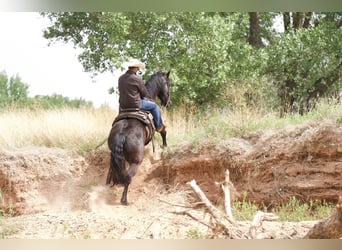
(128, 137)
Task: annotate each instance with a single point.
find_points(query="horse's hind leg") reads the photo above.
(124, 195)
(163, 135)
(130, 173)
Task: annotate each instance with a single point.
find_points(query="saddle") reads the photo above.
(144, 116)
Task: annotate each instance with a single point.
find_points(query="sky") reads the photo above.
(48, 70)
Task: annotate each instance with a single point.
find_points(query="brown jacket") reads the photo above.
(131, 90)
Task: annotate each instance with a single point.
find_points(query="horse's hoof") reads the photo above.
(124, 203)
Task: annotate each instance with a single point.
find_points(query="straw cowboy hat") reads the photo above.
(135, 63)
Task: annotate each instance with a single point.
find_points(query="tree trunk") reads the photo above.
(299, 20)
(254, 38)
(302, 20)
(286, 21)
(307, 19)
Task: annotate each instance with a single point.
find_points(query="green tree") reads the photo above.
(203, 50)
(305, 62)
(208, 52)
(12, 90)
(56, 101)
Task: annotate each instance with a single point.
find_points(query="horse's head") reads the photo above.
(164, 93)
(159, 85)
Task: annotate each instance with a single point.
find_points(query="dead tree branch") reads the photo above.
(257, 222)
(227, 201)
(228, 225)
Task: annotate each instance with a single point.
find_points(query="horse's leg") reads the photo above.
(130, 174)
(124, 195)
(163, 135)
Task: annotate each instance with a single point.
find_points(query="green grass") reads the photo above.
(293, 210)
(194, 233)
(244, 210)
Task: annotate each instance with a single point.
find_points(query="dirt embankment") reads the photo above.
(55, 187)
(304, 161)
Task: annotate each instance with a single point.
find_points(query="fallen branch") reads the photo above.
(226, 186)
(193, 217)
(193, 206)
(330, 228)
(225, 222)
(257, 222)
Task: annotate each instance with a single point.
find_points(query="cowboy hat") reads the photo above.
(135, 63)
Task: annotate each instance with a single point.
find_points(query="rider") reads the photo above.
(132, 91)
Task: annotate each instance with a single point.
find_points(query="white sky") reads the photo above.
(47, 69)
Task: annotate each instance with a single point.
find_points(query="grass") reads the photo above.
(195, 233)
(244, 210)
(293, 210)
(84, 129)
(5, 212)
(7, 231)
(89, 185)
(76, 129)
(218, 124)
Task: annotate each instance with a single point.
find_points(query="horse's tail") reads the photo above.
(117, 171)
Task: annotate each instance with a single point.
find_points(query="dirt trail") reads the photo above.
(61, 194)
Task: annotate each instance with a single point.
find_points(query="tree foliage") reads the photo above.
(12, 89)
(58, 101)
(13, 92)
(209, 52)
(305, 63)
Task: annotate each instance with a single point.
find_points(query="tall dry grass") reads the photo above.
(84, 129)
(218, 124)
(79, 129)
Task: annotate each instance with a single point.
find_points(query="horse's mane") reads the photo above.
(153, 82)
(153, 77)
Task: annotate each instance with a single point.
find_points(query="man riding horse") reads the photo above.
(132, 91)
(132, 130)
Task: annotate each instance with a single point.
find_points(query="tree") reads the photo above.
(297, 20)
(304, 63)
(208, 52)
(12, 90)
(56, 101)
(203, 50)
(254, 38)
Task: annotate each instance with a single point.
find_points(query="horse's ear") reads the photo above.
(168, 73)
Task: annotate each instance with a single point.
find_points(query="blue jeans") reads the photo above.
(154, 109)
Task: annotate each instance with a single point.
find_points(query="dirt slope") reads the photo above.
(61, 194)
(303, 161)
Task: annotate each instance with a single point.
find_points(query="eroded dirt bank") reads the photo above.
(303, 161)
(59, 194)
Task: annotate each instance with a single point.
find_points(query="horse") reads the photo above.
(128, 137)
